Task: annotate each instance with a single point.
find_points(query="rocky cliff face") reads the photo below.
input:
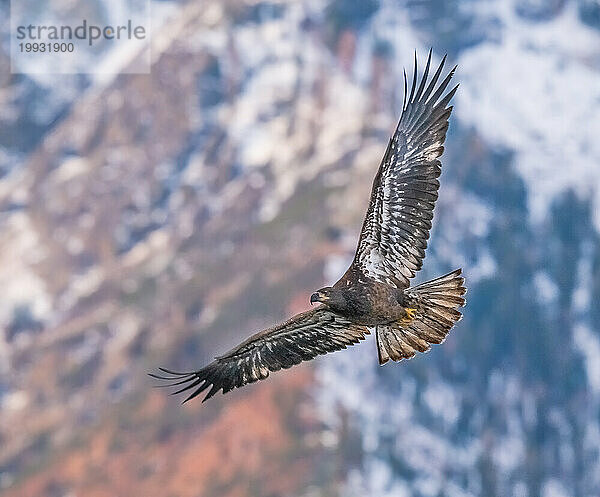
(164, 218)
(157, 219)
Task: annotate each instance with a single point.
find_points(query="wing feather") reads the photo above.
(394, 236)
(298, 339)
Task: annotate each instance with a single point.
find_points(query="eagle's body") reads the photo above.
(364, 300)
(374, 293)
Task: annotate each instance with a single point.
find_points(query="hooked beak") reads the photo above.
(318, 297)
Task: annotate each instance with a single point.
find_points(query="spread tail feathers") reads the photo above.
(432, 311)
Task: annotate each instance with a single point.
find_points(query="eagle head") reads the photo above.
(329, 296)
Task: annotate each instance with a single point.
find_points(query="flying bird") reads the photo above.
(375, 292)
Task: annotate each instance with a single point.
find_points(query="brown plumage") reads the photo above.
(374, 292)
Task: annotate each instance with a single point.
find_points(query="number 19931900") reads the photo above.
(46, 47)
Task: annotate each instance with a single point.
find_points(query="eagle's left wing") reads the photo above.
(396, 228)
(300, 338)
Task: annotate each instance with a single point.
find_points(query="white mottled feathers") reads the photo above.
(300, 338)
(396, 228)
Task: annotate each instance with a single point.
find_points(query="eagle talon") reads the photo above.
(410, 313)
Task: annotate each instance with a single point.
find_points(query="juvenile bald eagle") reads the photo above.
(374, 292)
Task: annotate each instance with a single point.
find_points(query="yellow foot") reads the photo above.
(411, 313)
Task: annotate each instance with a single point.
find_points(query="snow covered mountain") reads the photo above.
(512, 408)
(157, 219)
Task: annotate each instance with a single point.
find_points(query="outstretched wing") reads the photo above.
(301, 338)
(396, 228)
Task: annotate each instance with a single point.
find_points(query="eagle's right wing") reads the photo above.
(298, 339)
(396, 228)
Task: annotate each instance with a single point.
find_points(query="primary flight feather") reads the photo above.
(374, 292)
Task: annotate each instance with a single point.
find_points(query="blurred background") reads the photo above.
(156, 220)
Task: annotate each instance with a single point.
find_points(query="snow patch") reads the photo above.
(21, 285)
(588, 343)
(536, 92)
(547, 290)
(554, 488)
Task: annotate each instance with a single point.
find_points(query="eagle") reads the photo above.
(375, 291)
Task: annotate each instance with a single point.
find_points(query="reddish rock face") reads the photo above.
(259, 442)
(155, 228)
